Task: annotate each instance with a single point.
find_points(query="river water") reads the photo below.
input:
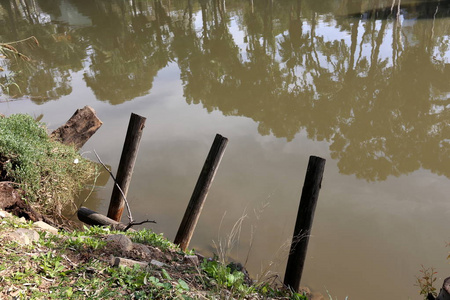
(363, 84)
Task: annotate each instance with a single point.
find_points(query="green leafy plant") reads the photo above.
(79, 243)
(225, 277)
(50, 265)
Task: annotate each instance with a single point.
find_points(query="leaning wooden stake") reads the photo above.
(303, 224)
(126, 165)
(198, 197)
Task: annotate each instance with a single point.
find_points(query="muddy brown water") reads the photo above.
(364, 84)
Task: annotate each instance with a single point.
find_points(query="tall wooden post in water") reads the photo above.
(303, 224)
(126, 166)
(192, 214)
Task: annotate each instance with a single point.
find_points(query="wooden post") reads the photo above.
(303, 224)
(198, 197)
(126, 165)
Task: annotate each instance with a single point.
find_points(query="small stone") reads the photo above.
(46, 227)
(191, 259)
(32, 235)
(5, 214)
(141, 250)
(23, 236)
(119, 261)
(123, 242)
(157, 263)
(200, 257)
(21, 220)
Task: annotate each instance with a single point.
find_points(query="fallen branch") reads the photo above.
(138, 223)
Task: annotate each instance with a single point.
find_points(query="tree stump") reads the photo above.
(79, 128)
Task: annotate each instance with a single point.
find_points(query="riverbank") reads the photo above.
(95, 262)
(38, 262)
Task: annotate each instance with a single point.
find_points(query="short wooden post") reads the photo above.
(303, 224)
(126, 165)
(201, 189)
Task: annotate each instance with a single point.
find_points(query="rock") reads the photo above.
(445, 291)
(125, 262)
(22, 236)
(121, 241)
(141, 250)
(44, 226)
(191, 259)
(200, 257)
(157, 263)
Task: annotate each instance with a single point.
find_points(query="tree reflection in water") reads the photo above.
(370, 79)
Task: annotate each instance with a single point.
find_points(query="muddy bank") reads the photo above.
(11, 200)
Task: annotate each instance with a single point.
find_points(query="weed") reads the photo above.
(331, 298)
(7, 83)
(227, 278)
(50, 265)
(85, 243)
(425, 281)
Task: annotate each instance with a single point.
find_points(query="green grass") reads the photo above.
(45, 170)
(148, 237)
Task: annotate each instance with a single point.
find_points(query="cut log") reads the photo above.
(91, 217)
(79, 128)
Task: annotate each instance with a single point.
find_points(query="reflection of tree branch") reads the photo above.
(313, 44)
(354, 41)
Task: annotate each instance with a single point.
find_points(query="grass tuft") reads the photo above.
(49, 173)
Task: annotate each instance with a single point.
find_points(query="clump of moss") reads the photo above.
(49, 173)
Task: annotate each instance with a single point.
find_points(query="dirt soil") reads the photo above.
(11, 201)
